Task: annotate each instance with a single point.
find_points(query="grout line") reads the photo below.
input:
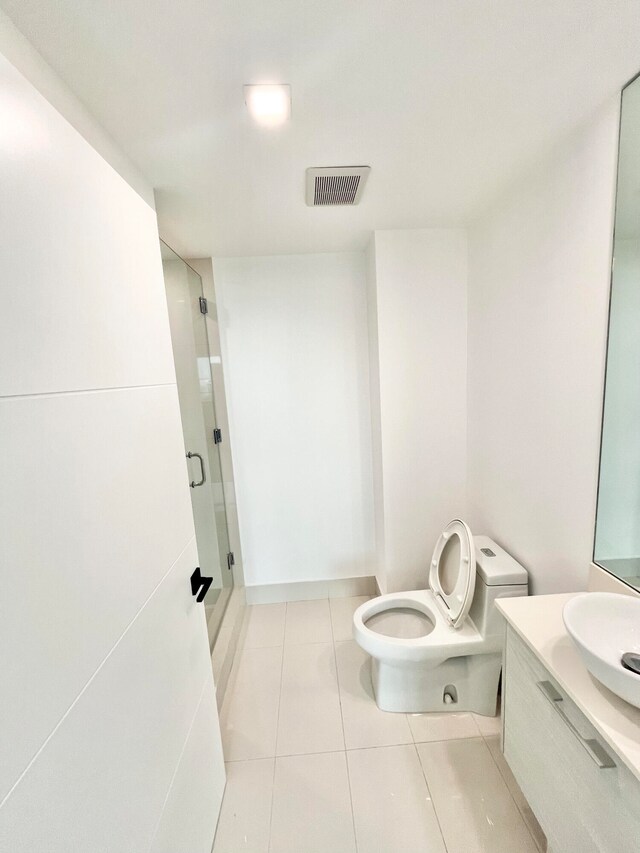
(284, 755)
(232, 681)
(351, 749)
(354, 749)
(344, 741)
(286, 642)
(508, 787)
(413, 743)
(433, 802)
(250, 760)
(275, 758)
(97, 670)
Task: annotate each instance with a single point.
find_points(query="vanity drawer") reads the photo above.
(583, 796)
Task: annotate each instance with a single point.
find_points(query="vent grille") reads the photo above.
(336, 190)
(339, 186)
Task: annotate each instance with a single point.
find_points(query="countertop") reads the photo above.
(537, 619)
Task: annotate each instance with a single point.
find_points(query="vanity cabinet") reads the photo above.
(583, 795)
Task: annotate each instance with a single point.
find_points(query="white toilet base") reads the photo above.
(471, 681)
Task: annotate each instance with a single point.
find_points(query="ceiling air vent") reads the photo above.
(331, 186)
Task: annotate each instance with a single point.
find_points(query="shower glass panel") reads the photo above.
(194, 364)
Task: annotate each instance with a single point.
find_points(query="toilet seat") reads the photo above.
(455, 601)
(446, 605)
(442, 642)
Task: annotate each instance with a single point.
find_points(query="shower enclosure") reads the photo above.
(196, 358)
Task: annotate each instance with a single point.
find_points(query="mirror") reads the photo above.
(617, 539)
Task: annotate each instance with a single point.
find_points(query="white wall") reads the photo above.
(295, 348)
(418, 312)
(538, 292)
(96, 613)
(521, 463)
(619, 501)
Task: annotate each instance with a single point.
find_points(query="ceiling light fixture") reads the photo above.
(268, 103)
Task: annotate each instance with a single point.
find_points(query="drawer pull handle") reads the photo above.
(592, 746)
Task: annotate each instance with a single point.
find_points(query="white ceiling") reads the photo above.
(446, 100)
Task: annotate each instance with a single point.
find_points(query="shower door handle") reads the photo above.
(193, 483)
(200, 583)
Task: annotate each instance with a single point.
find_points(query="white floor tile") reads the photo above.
(475, 809)
(312, 806)
(342, 610)
(308, 622)
(245, 817)
(525, 809)
(249, 717)
(489, 726)
(392, 807)
(430, 727)
(309, 719)
(264, 625)
(364, 723)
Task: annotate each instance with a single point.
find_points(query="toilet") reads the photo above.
(440, 648)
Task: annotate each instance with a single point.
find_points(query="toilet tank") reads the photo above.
(498, 575)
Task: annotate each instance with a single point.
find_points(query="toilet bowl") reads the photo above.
(440, 648)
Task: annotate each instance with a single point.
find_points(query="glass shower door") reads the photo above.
(193, 361)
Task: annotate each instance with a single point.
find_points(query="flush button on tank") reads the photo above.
(487, 552)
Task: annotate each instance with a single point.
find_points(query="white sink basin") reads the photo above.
(605, 625)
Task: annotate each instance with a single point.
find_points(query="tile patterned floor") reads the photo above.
(314, 767)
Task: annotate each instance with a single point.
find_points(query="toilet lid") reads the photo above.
(452, 576)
